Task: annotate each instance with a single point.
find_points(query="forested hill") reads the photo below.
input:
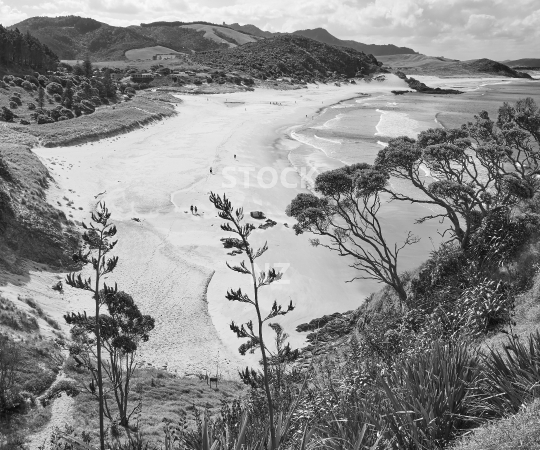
(22, 49)
(73, 37)
(290, 56)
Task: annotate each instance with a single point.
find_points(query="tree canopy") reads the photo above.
(25, 50)
(471, 171)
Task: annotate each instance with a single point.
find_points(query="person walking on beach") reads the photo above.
(195, 209)
(234, 156)
(210, 170)
(191, 209)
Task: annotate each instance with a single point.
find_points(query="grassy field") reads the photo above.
(163, 396)
(147, 52)
(105, 122)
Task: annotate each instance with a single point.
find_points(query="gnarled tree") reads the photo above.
(346, 214)
(471, 171)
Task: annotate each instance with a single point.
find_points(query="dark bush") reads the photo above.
(429, 398)
(32, 79)
(41, 119)
(7, 114)
(87, 107)
(54, 88)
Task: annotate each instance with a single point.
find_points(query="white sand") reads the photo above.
(168, 261)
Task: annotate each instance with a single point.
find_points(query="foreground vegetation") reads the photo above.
(418, 366)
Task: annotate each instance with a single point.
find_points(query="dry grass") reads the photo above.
(521, 431)
(13, 319)
(161, 96)
(164, 396)
(26, 96)
(105, 122)
(10, 136)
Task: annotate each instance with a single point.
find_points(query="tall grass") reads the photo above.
(430, 397)
(513, 375)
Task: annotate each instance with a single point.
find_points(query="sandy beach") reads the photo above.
(172, 261)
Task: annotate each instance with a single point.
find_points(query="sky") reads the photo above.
(460, 29)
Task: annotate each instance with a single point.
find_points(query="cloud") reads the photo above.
(455, 28)
(10, 15)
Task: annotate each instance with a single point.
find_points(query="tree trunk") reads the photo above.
(100, 376)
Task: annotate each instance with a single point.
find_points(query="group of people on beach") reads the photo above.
(193, 209)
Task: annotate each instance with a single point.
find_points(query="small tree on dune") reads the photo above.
(122, 330)
(97, 244)
(254, 335)
(41, 97)
(345, 215)
(110, 88)
(78, 69)
(67, 96)
(87, 67)
(10, 363)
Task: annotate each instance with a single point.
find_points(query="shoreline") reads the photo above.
(173, 262)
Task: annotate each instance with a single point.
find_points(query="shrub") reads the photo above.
(27, 85)
(512, 376)
(55, 79)
(43, 80)
(57, 98)
(41, 119)
(18, 81)
(7, 114)
(16, 99)
(7, 78)
(54, 88)
(429, 397)
(96, 101)
(69, 387)
(24, 122)
(67, 113)
(77, 109)
(13, 105)
(32, 79)
(87, 107)
(31, 106)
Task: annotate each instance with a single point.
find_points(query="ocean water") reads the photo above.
(356, 130)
